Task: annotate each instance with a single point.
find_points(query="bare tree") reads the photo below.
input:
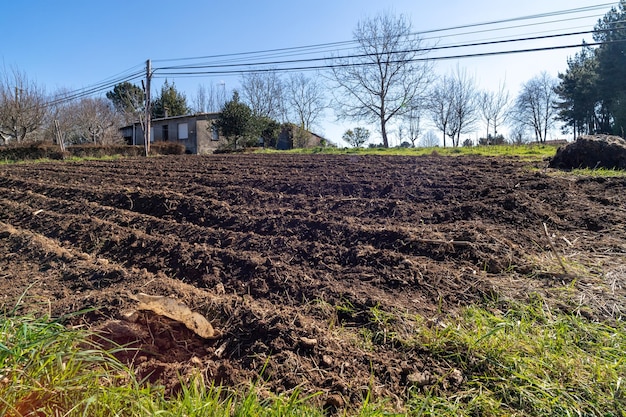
(98, 121)
(518, 134)
(22, 107)
(453, 105)
(535, 105)
(263, 92)
(464, 105)
(209, 99)
(429, 139)
(201, 102)
(88, 120)
(411, 125)
(494, 108)
(377, 83)
(305, 97)
(61, 117)
(440, 104)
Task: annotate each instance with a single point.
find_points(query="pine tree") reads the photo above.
(170, 102)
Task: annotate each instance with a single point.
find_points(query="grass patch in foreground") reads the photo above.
(528, 361)
(49, 370)
(525, 361)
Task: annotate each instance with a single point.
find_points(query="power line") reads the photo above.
(224, 64)
(330, 66)
(314, 50)
(257, 66)
(333, 45)
(518, 27)
(535, 16)
(94, 89)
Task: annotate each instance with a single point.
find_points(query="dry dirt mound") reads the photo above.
(600, 151)
(294, 258)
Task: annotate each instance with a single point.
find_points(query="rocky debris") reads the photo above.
(598, 151)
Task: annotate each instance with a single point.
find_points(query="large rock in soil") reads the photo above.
(599, 151)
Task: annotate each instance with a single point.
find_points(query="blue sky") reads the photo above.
(75, 44)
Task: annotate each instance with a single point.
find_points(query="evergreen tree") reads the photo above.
(611, 70)
(269, 130)
(236, 122)
(170, 102)
(127, 98)
(578, 95)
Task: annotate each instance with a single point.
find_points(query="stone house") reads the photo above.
(291, 136)
(196, 131)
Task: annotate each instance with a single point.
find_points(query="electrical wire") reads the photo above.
(267, 60)
(331, 46)
(331, 66)
(277, 66)
(94, 89)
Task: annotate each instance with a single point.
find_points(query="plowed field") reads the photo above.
(294, 259)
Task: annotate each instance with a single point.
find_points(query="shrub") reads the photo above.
(167, 148)
(31, 150)
(43, 150)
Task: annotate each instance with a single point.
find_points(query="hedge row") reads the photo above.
(39, 150)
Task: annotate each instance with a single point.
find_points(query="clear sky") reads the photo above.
(73, 44)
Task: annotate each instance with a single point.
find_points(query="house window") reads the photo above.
(183, 131)
(215, 134)
(166, 133)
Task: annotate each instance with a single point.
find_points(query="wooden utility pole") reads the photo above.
(148, 122)
(59, 137)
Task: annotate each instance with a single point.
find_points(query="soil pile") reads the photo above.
(308, 266)
(599, 151)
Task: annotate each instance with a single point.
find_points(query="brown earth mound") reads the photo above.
(600, 151)
(295, 260)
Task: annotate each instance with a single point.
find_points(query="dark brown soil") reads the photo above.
(599, 151)
(290, 257)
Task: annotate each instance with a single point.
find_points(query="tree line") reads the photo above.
(592, 91)
(387, 82)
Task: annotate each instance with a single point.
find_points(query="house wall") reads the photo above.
(208, 137)
(287, 139)
(168, 131)
(198, 136)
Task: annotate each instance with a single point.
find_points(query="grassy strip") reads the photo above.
(598, 172)
(530, 152)
(68, 159)
(525, 361)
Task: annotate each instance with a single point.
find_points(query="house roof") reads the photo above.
(188, 116)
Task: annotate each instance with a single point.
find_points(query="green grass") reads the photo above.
(524, 360)
(47, 369)
(528, 361)
(525, 152)
(529, 152)
(68, 159)
(598, 172)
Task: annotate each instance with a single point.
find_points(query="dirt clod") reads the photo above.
(599, 151)
(420, 379)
